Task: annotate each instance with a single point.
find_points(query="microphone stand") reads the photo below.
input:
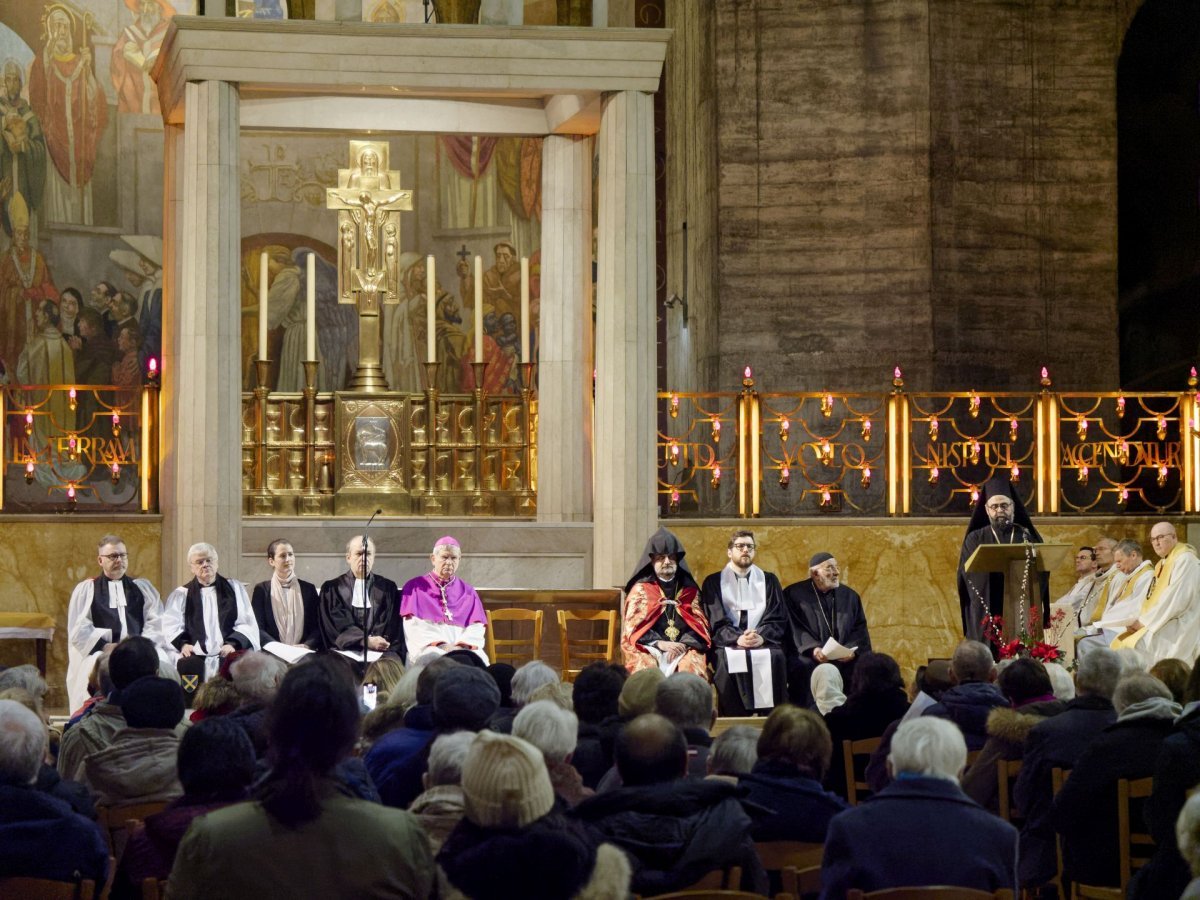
(368, 575)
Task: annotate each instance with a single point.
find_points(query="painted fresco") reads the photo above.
(471, 196)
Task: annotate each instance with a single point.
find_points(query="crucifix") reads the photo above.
(369, 200)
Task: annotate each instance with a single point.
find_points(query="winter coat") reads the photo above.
(799, 808)
(1007, 730)
(138, 767)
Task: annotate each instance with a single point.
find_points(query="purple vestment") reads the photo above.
(423, 597)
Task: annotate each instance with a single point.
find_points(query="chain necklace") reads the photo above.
(445, 604)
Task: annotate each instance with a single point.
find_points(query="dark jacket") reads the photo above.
(41, 837)
(1176, 772)
(1007, 730)
(918, 831)
(799, 808)
(1085, 811)
(968, 706)
(396, 763)
(1057, 742)
(862, 716)
(677, 832)
(594, 749)
(268, 628)
(74, 794)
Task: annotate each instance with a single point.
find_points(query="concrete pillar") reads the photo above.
(565, 345)
(201, 496)
(625, 479)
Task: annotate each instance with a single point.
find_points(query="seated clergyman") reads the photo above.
(441, 612)
(210, 616)
(349, 608)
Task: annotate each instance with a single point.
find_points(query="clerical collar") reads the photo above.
(668, 587)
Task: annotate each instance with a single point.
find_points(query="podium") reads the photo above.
(1011, 561)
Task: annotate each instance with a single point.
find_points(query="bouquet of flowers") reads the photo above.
(1024, 644)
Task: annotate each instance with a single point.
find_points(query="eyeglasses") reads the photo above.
(113, 557)
(1154, 539)
(996, 507)
(743, 546)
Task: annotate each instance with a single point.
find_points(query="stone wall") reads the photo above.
(929, 183)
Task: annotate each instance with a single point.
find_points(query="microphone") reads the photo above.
(368, 574)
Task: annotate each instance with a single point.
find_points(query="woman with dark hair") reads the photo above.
(877, 699)
(793, 755)
(301, 835)
(1026, 684)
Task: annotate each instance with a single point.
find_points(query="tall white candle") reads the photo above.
(525, 309)
(311, 322)
(430, 311)
(262, 306)
(478, 309)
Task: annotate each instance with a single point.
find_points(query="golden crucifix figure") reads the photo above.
(369, 200)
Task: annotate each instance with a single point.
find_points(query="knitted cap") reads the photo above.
(464, 697)
(505, 783)
(637, 696)
(152, 702)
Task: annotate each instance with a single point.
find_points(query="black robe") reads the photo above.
(735, 693)
(264, 612)
(341, 623)
(104, 616)
(813, 622)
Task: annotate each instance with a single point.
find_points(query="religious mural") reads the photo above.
(470, 196)
(80, 234)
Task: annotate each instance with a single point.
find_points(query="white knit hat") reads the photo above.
(505, 783)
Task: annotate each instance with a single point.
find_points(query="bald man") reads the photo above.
(1168, 624)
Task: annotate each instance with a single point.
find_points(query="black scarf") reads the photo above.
(193, 614)
(104, 616)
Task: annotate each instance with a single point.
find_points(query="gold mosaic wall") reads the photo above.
(904, 569)
(42, 558)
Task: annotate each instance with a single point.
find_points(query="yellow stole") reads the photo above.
(1162, 578)
(1103, 601)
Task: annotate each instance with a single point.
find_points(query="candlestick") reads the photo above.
(262, 306)
(525, 310)
(311, 321)
(478, 309)
(430, 297)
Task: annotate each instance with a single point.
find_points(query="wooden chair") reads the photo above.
(1006, 776)
(850, 750)
(724, 723)
(1058, 777)
(797, 862)
(717, 883)
(1135, 847)
(934, 892)
(500, 649)
(587, 649)
(114, 821)
(44, 889)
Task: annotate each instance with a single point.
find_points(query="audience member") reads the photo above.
(133, 658)
(139, 765)
(1061, 682)
(557, 692)
(216, 697)
(828, 689)
(929, 683)
(1176, 774)
(638, 693)
(301, 836)
(1187, 833)
(503, 674)
(531, 676)
(440, 806)
(464, 699)
(733, 753)
(256, 675)
(554, 731)
(1174, 674)
(876, 699)
(921, 829)
(216, 766)
(794, 750)
(596, 698)
(1026, 684)
(385, 673)
(40, 835)
(72, 793)
(391, 712)
(674, 829)
(511, 843)
(1083, 812)
(1058, 742)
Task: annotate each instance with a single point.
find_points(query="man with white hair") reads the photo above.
(210, 616)
(349, 608)
(440, 807)
(554, 731)
(870, 847)
(1168, 623)
(105, 609)
(441, 612)
(40, 836)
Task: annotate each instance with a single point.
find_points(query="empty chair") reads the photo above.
(507, 649)
(577, 652)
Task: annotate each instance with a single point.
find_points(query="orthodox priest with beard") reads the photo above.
(999, 518)
(664, 619)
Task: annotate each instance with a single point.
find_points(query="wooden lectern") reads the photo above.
(1011, 560)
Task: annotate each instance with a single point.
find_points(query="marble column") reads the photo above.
(625, 479)
(201, 483)
(565, 340)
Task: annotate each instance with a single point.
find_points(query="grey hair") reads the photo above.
(446, 757)
(1060, 680)
(1136, 688)
(1098, 673)
(1187, 832)
(1129, 547)
(686, 700)
(972, 661)
(27, 678)
(529, 678)
(930, 746)
(108, 539)
(404, 694)
(257, 675)
(734, 752)
(202, 549)
(549, 727)
(355, 544)
(23, 743)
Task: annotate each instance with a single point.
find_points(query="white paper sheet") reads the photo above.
(757, 662)
(834, 651)
(356, 655)
(286, 652)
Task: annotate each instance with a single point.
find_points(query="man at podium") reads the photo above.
(999, 517)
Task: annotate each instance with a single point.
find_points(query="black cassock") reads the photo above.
(735, 693)
(815, 617)
(342, 624)
(982, 593)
